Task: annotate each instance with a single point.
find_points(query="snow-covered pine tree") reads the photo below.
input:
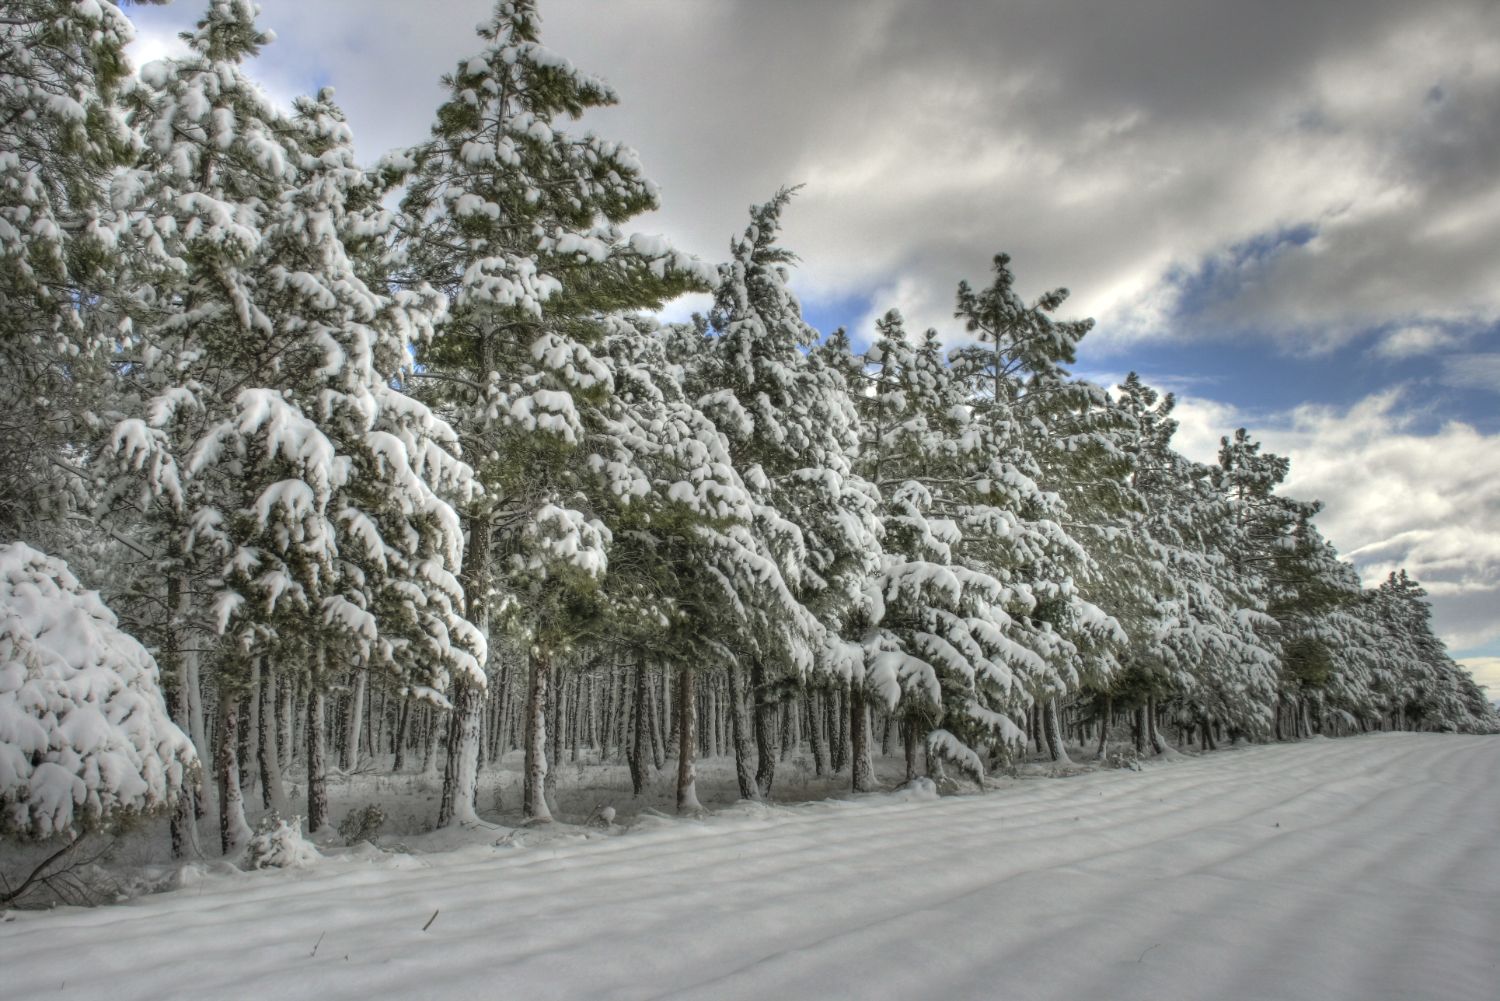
(936, 650)
(61, 135)
(1208, 642)
(792, 430)
(684, 558)
(518, 221)
(1012, 527)
(85, 739)
(1427, 690)
(293, 492)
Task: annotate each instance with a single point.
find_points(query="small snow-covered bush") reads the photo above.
(84, 734)
(279, 844)
(362, 824)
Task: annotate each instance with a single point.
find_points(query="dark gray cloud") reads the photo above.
(1109, 147)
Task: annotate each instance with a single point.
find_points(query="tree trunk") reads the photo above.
(191, 706)
(555, 710)
(909, 738)
(317, 764)
(1103, 722)
(658, 727)
(173, 661)
(504, 712)
(640, 744)
(836, 720)
(787, 720)
(669, 711)
(288, 721)
(1154, 739)
(354, 719)
(687, 745)
(533, 791)
(273, 793)
(401, 722)
(815, 731)
(739, 718)
(1053, 727)
(765, 730)
(250, 733)
(862, 773)
(233, 831)
(461, 767)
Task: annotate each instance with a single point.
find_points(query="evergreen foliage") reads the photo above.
(310, 449)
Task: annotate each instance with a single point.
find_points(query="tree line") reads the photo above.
(398, 459)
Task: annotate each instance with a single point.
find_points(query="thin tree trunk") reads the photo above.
(841, 747)
(815, 731)
(288, 721)
(687, 745)
(250, 733)
(317, 763)
(1103, 723)
(273, 793)
(1154, 739)
(433, 736)
(765, 730)
(233, 831)
(555, 710)
(909, 738)
(788, 713)
(739, 719)
(354, 720)
(640, 744)
(1053, 727)
(658, 727)
(862, 774)
(401, 721)
(184, 828)
(669, 708)
(533, 792)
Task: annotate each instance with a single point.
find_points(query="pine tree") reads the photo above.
(1013, 526)
(792, 433)
(1210, 642)
(85, 739)
(517, 220)
(62, 67)
(294, 496)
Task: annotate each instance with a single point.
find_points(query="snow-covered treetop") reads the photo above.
(1024, 341)
(84, 734)
(62, 63)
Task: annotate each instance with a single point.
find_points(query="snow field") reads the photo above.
(1362, 868)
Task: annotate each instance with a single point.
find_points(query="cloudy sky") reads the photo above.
(1286, 212)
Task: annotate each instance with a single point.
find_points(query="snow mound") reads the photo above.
(279, 844)
(919, 788)
(84, 733)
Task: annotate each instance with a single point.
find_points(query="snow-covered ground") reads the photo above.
(1360, 868)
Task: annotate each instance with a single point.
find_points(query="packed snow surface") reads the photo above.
(1360, 868)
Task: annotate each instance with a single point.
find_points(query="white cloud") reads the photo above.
(1421, 339)
(1486, 671)
(1392, 497)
